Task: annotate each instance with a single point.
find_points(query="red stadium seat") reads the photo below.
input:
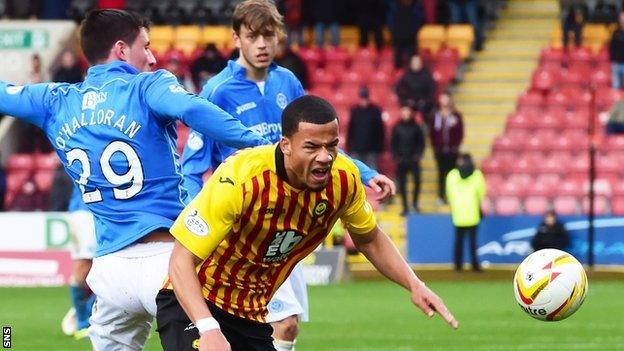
(322, 77)
(448, 55)
(521, 120)
(494, 165)
(601, 77)
(512, 189)
(606, 97)
(617, 206)
(544, 79)
(44, 179)
(507, 206)
(337, 55)
(540, 189)
(15, 179)
(487, 205)
(353, 77)
(530, 99)
(580, 55)
(571, 187)
(552, 55)
(325, 92)
(364, 68)
(575, 77)
(365, 54)
(601, 207)
(23, 162)
(536, 205)
(617, 188)
(380, 78)
(337, 69)
(566, 205)
(614, 143)
(47, 161)
(311, 56)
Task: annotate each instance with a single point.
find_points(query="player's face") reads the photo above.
(257, 48)
(139, 55)
(310, 153)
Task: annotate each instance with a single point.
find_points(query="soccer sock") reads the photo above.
(82, 299)
(283, 345)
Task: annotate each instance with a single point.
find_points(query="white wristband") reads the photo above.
(206, 324)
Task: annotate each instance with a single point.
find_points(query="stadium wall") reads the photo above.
(506, 240)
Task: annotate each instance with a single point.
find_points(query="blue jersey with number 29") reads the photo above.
(116, 135)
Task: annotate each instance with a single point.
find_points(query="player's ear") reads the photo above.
(236, 39)
(285, 146)
(120, 50)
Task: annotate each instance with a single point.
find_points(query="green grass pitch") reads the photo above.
(378, 316)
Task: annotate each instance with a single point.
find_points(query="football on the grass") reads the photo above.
(550, 285)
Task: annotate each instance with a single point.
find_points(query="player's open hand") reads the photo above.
(383, 186)
(430, 303)
(213, 340)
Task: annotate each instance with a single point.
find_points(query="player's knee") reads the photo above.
(286, 329)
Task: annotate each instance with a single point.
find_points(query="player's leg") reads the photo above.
(288, 306)
(123, 282)
(83, 248)
(459, 248)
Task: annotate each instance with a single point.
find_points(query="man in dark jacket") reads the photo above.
(209, 63)
(406, 18)
(446, 129)
(551, 234)
(616, 54)
(69, 71)
(416, 88)
(407, 145)
(365, 138)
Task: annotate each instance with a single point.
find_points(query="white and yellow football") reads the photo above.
(550, 285)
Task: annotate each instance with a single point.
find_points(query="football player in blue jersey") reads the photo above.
(115, 134)
(255, 90)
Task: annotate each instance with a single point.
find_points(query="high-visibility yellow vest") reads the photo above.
(464, 196)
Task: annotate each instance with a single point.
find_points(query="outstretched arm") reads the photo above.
(27, 102)
(382, 253)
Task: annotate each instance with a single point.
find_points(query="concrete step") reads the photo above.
(495, 76)
(510, 54)
(503, 66)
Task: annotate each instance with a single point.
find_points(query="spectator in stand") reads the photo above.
(325, 14)
(551, 234)
(572, 20)
(206, 65)
(3, 187)
(35, 75)
(287, 58)
(175, 66)
(416, 88)
(293, 20)
(407, 145)
(365, 138)
(465, 188)
(22, 9)
(430, 11)
(406, 18)
(615, 124)
(616, 54)
(467, 11)
(61, 190)
(29, 198)
(369, 19)
(69, 71)
(446, 129)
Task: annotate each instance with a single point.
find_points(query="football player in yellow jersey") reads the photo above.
(261, 212)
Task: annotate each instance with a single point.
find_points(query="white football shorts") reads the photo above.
(126, 283)
(290, 299)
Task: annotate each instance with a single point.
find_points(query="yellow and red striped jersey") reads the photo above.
(251, 227)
